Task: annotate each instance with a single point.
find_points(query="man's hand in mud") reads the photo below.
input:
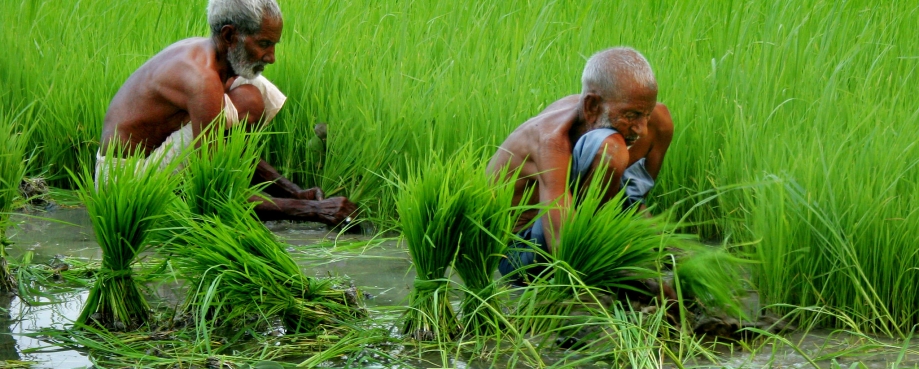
(314, 193)
(337, 210)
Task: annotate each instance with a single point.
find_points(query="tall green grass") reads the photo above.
(14, 138)
(817, 93)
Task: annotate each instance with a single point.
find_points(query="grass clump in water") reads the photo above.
(222, 169)
(126, 204)
(482, 246)
(437, 214)
(240, 275)
(236, 267)
(13, 143)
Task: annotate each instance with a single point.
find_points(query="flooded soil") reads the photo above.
(381, 268)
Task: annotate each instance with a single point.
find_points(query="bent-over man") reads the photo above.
(617, 105)
(179, 92)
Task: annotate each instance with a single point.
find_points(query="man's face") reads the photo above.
(250, 54)
(629, 114)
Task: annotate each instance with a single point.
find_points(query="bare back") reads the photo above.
(181, 84)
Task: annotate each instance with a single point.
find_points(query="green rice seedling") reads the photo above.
(605, 244)
(13, 141)
(482, 247)
(712, 277)
(237, 270)
(433, 206)
(124, 207)
(601, 248)
(222, 168)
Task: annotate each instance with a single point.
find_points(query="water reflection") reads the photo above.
(8, 349)
(27, 319)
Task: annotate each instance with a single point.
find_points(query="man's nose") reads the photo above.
(269, 56)
(641, 127)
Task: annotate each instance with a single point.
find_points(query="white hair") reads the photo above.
(245, 15)
(606, 71)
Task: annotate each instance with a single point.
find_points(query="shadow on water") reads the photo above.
(380, 267)
(8, 349)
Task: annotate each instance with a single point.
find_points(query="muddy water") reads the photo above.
(381, 269)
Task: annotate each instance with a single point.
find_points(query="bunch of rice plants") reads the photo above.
(433, 205)
(222, 169)
(713, 277)
(222, 249)
(604, 244)
(600, 248)
(124, 208)
(13, 141)
(483, 246)
(238, 270)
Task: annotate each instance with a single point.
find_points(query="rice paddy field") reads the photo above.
(794, 149)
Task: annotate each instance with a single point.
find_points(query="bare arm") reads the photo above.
(614, 155)
(662, 123)
(552, 167)
(279, 186)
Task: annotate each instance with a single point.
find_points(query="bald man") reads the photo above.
(617, 104)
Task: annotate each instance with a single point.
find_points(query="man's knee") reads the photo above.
(248, 102)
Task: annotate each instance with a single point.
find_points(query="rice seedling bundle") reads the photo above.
(13, 141)
(600, 247)
(712, 277)
(123, 209)
(482, 247)
(237, 270)
(604, 244)
(437, 206)
(221, 170)
(226, 254)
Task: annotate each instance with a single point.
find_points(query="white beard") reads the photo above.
(239, 61)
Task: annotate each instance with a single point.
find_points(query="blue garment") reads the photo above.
(637, 182)
(519, 254)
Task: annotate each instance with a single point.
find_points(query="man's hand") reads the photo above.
(337, 210)
(314, 193)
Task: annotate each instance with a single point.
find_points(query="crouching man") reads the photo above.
(617, 104)
(173, 97)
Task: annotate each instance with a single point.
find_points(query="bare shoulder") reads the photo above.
(186, 68)
(532, 142)
(567, 102)
(661, 121)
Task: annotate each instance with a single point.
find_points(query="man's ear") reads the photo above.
(228, 34)
(592, 107)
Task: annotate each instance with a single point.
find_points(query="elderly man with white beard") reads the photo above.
(183, 89)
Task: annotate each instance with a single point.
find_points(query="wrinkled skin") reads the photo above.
(185, 84)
